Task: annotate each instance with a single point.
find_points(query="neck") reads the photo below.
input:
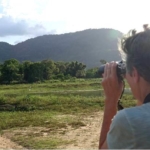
(144, 90)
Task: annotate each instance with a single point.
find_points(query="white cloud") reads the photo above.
(80, 13)
(9, 26)
(73, 15)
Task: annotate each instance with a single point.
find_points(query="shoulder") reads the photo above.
(126, 127)
(120, 134)
(137, 113)
(120, 121)
(127, 118)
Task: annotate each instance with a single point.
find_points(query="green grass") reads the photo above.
(32, 142)
(52, 105)
(50, 120)
(49, 86)
(47, 119)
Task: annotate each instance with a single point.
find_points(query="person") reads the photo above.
(128, 128)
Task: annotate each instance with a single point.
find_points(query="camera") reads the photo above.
(121, 69)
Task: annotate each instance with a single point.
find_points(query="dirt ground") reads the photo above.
(84, 137)
(6, 143)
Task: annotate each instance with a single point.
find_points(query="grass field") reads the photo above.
(49, 106)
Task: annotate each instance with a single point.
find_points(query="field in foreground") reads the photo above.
(54, 115)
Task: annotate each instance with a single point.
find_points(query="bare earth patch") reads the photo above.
(82, 137)
(86, 136)
(7, 143)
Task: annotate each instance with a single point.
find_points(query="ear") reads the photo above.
(135, 75)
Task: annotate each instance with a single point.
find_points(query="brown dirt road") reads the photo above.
(84, 137)
(6, 143)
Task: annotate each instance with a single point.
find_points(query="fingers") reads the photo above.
(110, 70)
(113, 68)
(112, 88)
(105, 70)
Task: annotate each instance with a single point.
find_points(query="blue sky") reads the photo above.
(24, 19)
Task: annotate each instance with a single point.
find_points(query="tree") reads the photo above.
(10, 70)
(80, 73)
(74, 67)
(61, 67)
(92, 73)
(35, 72)
(48, 69)
(103, 61)
(26, 70)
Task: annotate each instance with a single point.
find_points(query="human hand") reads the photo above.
(111, 84)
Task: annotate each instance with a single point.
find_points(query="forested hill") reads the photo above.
(88, 46)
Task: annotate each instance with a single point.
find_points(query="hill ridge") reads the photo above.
(88, 46)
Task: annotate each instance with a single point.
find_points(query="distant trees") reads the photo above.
(10, 71)
(76, 69)
(92, 73)
(103, 61)
(48, 69)
(27, 71)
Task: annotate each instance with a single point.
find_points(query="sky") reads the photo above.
(24, 19)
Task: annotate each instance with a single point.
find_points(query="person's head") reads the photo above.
(137, 49)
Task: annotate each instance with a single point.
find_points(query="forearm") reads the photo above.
(109, 112)
(112, 90)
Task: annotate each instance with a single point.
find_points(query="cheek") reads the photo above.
(131, 84)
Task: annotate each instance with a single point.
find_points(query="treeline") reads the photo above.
(29, 72)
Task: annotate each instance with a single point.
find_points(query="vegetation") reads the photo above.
(88, 47)
(53, 95)
(28, 72)
(50, 106)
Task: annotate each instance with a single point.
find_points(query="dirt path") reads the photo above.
(84, 137)
(5, 143)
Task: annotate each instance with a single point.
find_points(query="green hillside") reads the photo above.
(88, 46)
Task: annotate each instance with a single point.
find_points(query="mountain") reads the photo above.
(6, 51)
(88, 46)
